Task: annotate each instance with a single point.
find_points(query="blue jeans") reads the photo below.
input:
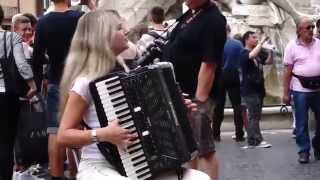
(303, 101)
(52, 108)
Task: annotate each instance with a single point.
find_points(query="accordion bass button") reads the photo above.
(137, 109)
(145, 133)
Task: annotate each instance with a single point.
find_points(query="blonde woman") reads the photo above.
(98, 39)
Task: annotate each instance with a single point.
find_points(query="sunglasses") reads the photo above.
(310, 27)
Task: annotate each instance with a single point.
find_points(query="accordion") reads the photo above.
(147, 101)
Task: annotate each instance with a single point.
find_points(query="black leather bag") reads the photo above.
(31, 145)
(14, 82)
(309, 82)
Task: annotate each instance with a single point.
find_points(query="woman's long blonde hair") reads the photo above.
(90, 53)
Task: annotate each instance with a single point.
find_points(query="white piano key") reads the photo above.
(133, 169)
(142, 172)
(139, 153)
(123, 113)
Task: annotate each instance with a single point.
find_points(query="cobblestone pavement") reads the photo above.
(276, 163)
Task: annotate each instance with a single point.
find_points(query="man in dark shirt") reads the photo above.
(53, 36)
(252, 85)
(229, 81)
(195, 48)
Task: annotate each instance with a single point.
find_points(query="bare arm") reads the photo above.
(205, 80)
(69, 133)
(255, 51)
(287, 75)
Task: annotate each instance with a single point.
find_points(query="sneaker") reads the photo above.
(303, 158)
(248, 147)
(264, 144)
(317, 155)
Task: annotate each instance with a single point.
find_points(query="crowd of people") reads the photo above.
(60, 53)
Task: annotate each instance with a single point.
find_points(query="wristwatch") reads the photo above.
(94, 136)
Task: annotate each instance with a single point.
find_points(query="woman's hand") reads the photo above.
(115, 134)
(192, 107)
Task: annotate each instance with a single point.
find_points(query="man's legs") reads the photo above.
(254, 108)
(234, 96)
(56, 153)
(209, 164)
(302, 130)
(218, 114)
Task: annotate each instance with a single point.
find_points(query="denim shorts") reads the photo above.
(52, 108)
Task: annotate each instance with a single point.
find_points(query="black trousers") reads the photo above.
(9, 113)
(228, 82)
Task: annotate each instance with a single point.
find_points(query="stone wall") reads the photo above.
(135, 10)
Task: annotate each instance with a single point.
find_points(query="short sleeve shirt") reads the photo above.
(247, 67)
(190, 44)
(81, 87)
(305, 61)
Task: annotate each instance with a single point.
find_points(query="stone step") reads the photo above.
(271, 119)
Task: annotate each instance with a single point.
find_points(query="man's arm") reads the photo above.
(38, 58)
(287, 75)
(255, 51)
(205, 80)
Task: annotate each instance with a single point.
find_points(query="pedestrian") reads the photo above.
(252, 85)
(156, 30)
(33, 21)
(22, 25)
(195, 48)
(301, 59)
(9, 99)
(53, 36)
(100, 37)
(229, 82)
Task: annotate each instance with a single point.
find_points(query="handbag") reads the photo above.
(14, 82)
(32, 140)
(312, 82)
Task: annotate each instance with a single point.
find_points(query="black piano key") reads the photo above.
(119, 104)
(135, 150)
(123, 116)
(114, 92)
(144, 174)
(122, 110)
(133, 145)
(138, 157)
(125, 121)
(140, 162)
(113, 86)
(118, 98)
(142, 169)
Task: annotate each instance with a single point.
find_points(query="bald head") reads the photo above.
(305, 29)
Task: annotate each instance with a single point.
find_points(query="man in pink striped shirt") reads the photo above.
(302, 57)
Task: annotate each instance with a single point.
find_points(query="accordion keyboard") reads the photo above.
(115, 106)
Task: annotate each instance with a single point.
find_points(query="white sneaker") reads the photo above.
(264, 144)
(248, 147)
